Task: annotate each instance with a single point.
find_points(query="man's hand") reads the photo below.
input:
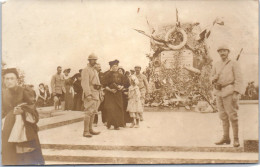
(235, 96)
(18, 110)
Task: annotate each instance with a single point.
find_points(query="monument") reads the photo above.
(180, 65)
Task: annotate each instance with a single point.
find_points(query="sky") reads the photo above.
(39, 35)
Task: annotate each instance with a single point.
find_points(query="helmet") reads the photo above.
(223, 47)
(92, 56)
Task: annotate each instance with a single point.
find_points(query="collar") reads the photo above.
(225, 61)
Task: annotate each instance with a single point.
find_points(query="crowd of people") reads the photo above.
(117, 94)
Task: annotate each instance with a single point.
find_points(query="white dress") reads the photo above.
(134, 101)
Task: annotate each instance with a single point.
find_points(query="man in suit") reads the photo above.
(91, 95)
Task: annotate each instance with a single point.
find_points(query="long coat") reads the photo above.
(10, 99)
(113, 103)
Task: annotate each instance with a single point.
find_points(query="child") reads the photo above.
(134, 107)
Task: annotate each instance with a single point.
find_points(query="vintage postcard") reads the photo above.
(129, 82)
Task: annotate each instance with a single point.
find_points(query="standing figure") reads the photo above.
(91, 95)
(134, 107)
(58, 88)
(126, 84)
(49, 100)
(78, 103)
(113, 83)
(143, 85)
(42, 96)
(101, 106)
(69, 90)
(20, 141)
(227, 81)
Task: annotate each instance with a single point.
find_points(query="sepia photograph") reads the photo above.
(129, 82)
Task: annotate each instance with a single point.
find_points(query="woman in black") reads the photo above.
(113, 82)
(19, 146)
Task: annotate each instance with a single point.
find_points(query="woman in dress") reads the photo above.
(126, 84)
(20, 142)
(113, 83)
(69, 95)
(42, 96)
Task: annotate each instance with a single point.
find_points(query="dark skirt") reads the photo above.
(113, 106)
(9, 155)
(68, 99)
(127, 117)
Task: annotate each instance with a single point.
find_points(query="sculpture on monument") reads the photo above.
(180, 65)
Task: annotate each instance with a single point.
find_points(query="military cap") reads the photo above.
(223, 47)
(92, 56)
(11, 70)
(137, 66)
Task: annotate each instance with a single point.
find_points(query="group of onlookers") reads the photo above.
(119, 94)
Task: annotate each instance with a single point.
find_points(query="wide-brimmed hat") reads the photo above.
(67, 70)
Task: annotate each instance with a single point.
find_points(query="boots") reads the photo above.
(91, 126)
(226, 138)
(133, 123)
(235, 133)
(86, 132)
(137, 123)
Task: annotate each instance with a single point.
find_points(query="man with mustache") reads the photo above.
(227, 81)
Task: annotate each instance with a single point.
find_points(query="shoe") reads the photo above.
(116, 128)
(94, 133)
(87, 134)
(108, 126)
(223, 141)
(236, 143)
(132, 125)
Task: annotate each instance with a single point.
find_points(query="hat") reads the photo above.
(223, 47)
(68, 69)
(11, 70)
(92, 56)
(115, 62)
(41, 84)
(120, 67)
(137, 66)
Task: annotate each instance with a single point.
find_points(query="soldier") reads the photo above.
(91, 95)
(143, 85)
(227, 81)
(58, 86)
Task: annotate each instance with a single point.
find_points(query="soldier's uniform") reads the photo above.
(143, 86)
(58, 88)
(230, 78)
(89, 83)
